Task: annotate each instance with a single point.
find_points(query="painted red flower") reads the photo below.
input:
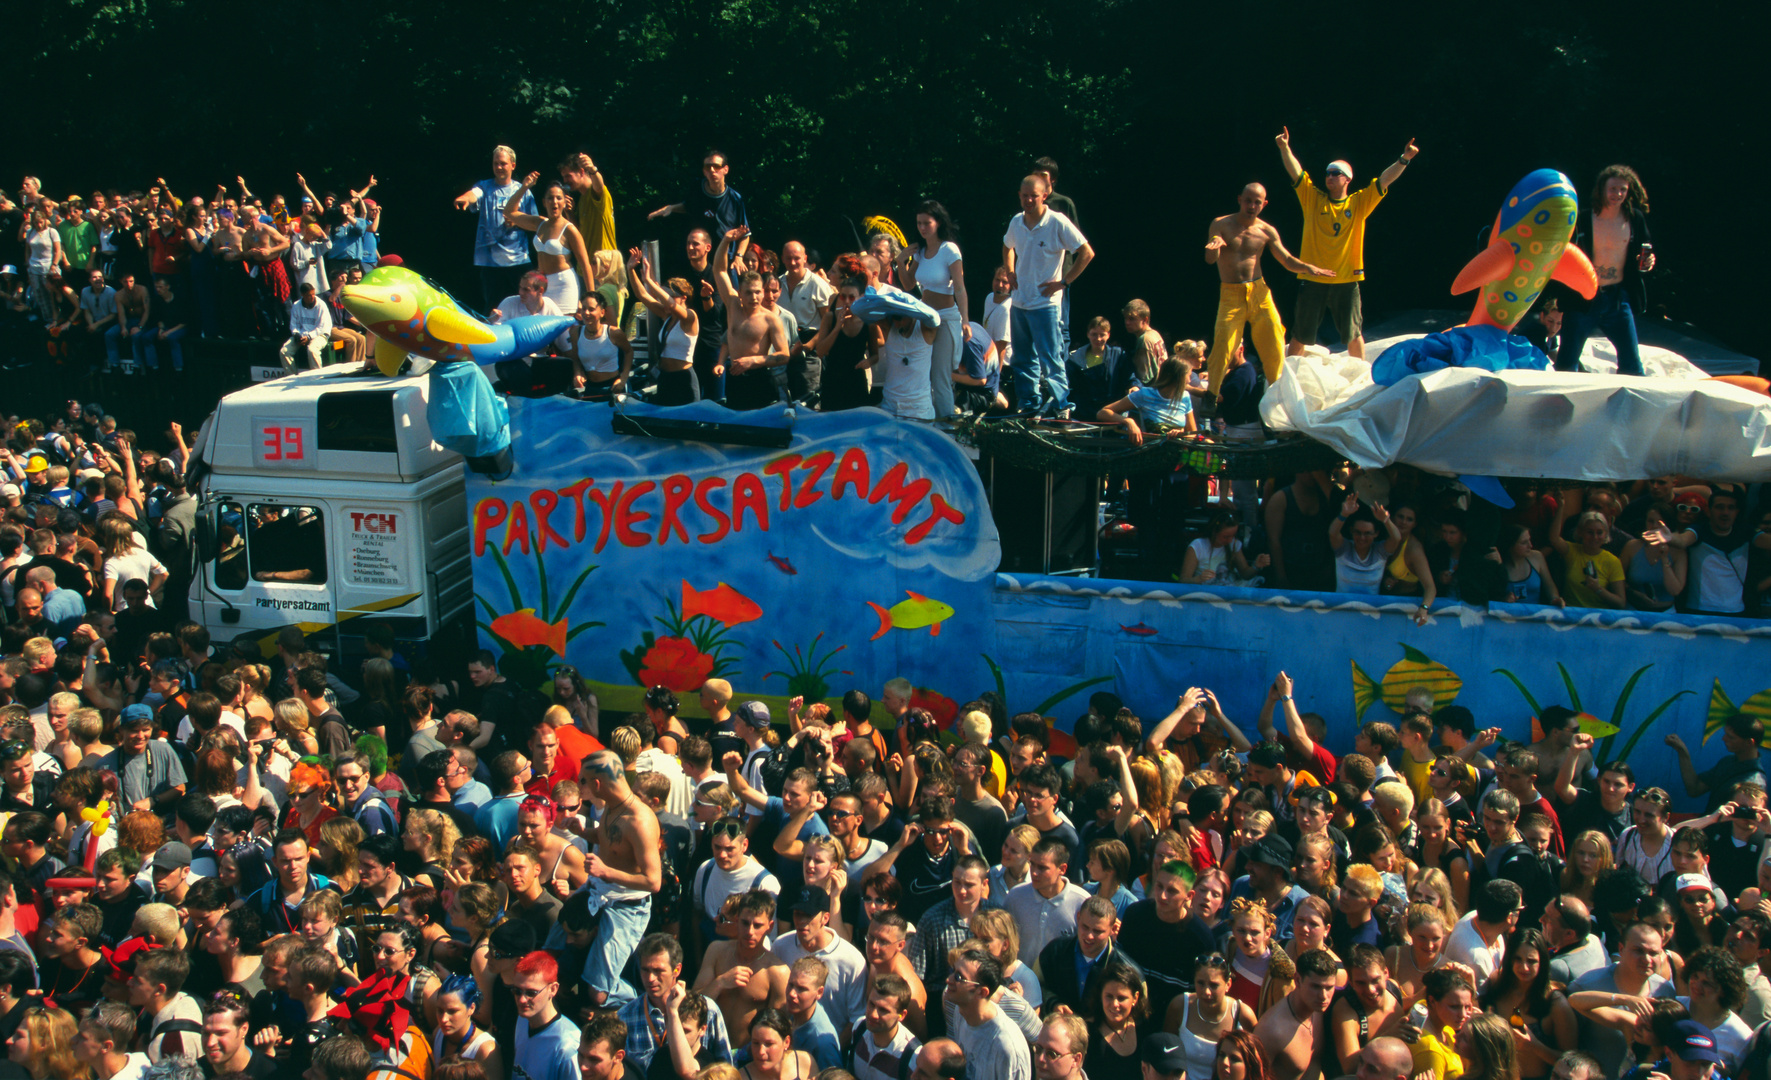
(676, 663)
(943, 708)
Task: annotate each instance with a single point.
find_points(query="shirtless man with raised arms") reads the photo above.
(625, 872)
(1294, 1031)
(755, 339)
(1234, 245)
(740, 973)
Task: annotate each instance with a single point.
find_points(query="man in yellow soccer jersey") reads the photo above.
(1334, 238)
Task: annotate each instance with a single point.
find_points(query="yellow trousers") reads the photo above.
(1251, 302)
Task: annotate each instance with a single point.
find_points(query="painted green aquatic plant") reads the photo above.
(1603, 751)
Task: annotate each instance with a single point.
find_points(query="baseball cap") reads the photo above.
(173, 856)
(1691, 881)
(812, 901)
(136, 714)
(1338, 166)
(11, 491)
(1691, 1041)
(512, 938)
(91, 474)
(754, 713)
(1272, 850)
(9, 269)
(1164, 1053)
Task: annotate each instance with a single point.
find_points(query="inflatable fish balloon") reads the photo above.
(874, 306)
(1527, 247)
(411, 315)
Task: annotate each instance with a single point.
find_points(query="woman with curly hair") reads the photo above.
(43, 1046)
(1251, 936)
(255, 678)
(474, 859)
(1613, 232)
(142, 832)
(308, 807)
(431, 836)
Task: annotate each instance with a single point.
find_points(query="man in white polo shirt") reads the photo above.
(1033, 251)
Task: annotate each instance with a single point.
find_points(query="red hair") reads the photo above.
(1254, 1055)
(536, 804)
(540, 963)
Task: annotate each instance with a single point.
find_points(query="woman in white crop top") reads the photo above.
(935, 268)
(602, 357)
(559, 246)
(677, 384)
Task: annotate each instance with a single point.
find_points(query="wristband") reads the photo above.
(1402, 161)
(1286, 697)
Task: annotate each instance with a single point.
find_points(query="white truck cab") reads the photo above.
(323, 500)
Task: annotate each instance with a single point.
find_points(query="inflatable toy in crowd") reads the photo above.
(875, 306)
(412, 315)
(1527, 247)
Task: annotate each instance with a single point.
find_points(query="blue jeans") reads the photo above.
(1041, 384)
(114, 339)
(617, 935)
(1610, 315)
(145, 353)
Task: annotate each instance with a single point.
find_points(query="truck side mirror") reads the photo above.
(208, 531)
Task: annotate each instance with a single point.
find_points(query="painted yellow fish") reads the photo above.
(912, 614)
(1721, 708)
(1414, 669)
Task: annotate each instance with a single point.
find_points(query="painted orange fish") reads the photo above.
(723, 604)
(523, 629)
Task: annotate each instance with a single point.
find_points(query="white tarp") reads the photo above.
(1529, 423)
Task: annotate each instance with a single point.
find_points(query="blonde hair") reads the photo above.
(255, 677)
(975, 726)
(156, 921)
(1434, 878)
(1394, 796)
(438, 831)
(995, 924)
(626, 742)
(1363, 882)
(1153, 795)
(719, 1070)
(827, 844)
(52, 1045)
(291, 713)
(1282, 975)
(344, 836)
(1571, 876)
(1025, 835)
(1189, 350)
(1258, 819)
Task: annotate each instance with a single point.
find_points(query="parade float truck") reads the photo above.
(797, 553)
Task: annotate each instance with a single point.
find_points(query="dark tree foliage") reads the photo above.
(1157, 111)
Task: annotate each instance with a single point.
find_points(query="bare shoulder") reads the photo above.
(768, 959)
(1221, 224)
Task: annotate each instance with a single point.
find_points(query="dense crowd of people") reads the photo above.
(244, 859)
(223, 863)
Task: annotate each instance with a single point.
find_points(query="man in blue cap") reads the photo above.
(1691, 1052)
(149, 775)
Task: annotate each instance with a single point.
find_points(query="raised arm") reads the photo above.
(1694, 784)
(1286, 158)
(1390, 175)
(301, 181)
(1183, 705)
(1215, 713)
(1336, 539)
(1564, 505)
(722, 265)
(512, 215)
(1566, 788)
(733, 763)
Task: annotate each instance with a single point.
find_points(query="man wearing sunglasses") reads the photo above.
(1060, 1048)
(995, 1047)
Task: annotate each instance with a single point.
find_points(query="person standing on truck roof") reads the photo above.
(501, 250)
(1334, 237)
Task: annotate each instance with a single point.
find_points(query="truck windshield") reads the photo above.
(286, 543)
(269, 542)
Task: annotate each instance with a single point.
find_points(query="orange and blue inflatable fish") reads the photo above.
(1527, 247)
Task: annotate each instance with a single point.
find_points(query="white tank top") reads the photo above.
(903, 368)
(679, 344)
(598, 353)
(935, 274)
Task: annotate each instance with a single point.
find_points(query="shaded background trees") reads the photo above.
(1157, 112)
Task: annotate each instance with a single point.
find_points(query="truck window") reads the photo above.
(286, 543)
(230, 549)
